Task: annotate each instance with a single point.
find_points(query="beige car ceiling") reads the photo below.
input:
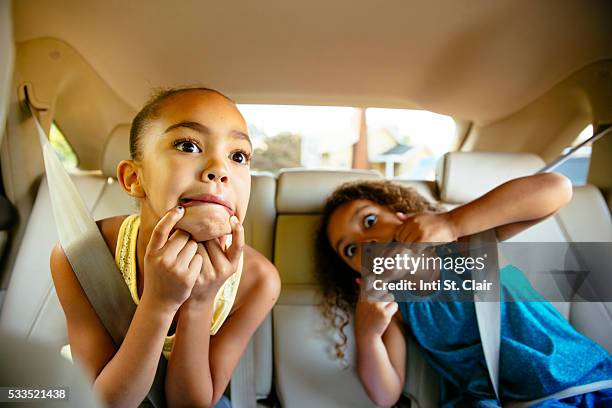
(476, 60)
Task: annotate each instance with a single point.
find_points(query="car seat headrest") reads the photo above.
(301, 191)
(117, 148)
(465, 176)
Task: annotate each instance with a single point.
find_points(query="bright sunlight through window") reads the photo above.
(400, 142)
(62, 147)
(576, 167)
(408, 143)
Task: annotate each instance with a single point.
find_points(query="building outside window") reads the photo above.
(401, 142)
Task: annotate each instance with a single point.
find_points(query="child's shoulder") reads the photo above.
(259, 276)
(67, 285)
(109, 228)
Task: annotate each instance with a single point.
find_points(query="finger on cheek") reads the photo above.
(216, 254)
(235, 249)
(164, 228)
(237, 229)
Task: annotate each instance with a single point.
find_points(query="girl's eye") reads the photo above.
(369, 220)
(349, 250)
(240, 157)
(187, 146)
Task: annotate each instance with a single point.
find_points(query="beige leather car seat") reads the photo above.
(31, 308)
(306, 371)
(464, 176)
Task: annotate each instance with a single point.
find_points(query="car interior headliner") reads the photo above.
(479, 60)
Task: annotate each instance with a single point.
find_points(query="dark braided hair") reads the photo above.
(151, 109)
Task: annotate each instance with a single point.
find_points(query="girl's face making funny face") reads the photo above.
(196, 153)
(357, 222)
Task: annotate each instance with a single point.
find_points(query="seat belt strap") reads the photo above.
(487, 303)
(242, 386)
(89, 256)
(601, 132)
(85, 247)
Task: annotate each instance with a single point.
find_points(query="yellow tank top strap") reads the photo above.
(224, 299)
(125, 257)
(125, 252)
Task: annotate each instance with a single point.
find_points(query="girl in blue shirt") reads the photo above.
(541, 353)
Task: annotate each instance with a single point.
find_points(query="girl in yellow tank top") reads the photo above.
(125, 257)
(189, 171)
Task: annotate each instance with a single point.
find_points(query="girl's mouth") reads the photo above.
(207, 199)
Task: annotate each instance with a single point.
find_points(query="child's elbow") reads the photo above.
(198, 404)
(384, 401)
(562, 187)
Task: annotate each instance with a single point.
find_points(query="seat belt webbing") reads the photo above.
(90, 258)
(487, 304)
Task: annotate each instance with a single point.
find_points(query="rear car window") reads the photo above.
(576, 168)
(400, 142)
(63, 148)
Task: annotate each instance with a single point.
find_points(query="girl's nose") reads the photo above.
(216, 176)
(216, 171)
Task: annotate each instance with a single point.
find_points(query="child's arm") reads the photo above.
(381, 351)
(510, 208)
(122, 376)
(201, 366)
(514, 206)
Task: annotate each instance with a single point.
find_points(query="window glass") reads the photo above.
(576, 168)
(65, 152)
(407, 143)
(401, 142)
(301, 136)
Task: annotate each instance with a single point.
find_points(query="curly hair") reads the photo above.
(336, 279)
